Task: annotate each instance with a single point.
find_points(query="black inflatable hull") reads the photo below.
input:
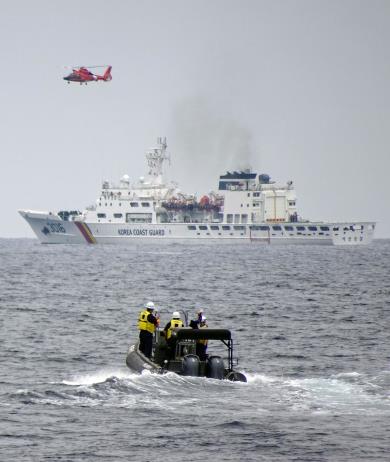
(189, 366)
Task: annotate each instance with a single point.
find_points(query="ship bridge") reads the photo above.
(252, 198)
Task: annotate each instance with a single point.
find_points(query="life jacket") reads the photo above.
(202, 341)
(174, 323)
(144, 324)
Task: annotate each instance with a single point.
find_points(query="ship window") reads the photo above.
(239, 228)
(244, 218)
(259, 228)
(249, 194)
(229, 218)
(336, 228)
(120, 203)
(225, 228)
(191, 227)
(203, 227)
(256, 194)
(289, 228)
(324, 228)
(256, 204)
(291, 203)
(277, 228)
(133, 204)
(101, 215)
(118, 215)
(312, 228)
(300, 228)
(138, 217)
(214, 228)
(145, 204)
(100, 204)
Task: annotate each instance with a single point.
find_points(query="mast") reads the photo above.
(155, 158)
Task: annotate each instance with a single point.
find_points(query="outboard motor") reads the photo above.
(215, 368)
(190, 366)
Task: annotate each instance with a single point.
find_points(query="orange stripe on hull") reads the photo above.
(86, 232)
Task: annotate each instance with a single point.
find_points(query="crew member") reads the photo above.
(194, 323)
(201, 344)
(147, 324)
(174, 322)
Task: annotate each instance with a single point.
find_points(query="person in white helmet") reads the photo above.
(201, 345)
(147, 324)
(172, 324)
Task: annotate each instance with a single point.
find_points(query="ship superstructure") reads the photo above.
(247, 207)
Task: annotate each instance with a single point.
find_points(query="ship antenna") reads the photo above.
(155, 158)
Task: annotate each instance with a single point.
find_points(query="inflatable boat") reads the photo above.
(179, 355)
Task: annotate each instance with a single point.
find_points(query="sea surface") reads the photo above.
(311, 327)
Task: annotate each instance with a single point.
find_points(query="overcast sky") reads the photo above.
(296, 89)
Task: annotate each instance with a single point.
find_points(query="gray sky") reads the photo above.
(296, 89)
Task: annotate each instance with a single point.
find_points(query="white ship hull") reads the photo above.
(51, 229)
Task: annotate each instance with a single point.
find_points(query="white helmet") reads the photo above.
(203, 319)
(150, 306)
(176, 315)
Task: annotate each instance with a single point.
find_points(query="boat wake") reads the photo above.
(350, 393)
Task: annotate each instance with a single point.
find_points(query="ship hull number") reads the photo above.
(56, 228)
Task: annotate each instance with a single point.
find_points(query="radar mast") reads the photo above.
(156, 157)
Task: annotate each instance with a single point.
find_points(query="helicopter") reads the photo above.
(82, 74)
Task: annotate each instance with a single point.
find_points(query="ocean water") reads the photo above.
(311, 328)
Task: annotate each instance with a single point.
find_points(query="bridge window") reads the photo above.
(277, 228)
(289, 228)
(225, 228)
(312, 228)
(214, 228)
(145, 204)
(191, 227)
(101, 215)
(239, 228)
(133, 204)
(203, 227)
(324, 228)
(300, 228)
(118, 215)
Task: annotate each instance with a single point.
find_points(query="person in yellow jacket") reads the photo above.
(174, 322)
(147, 324)
(201, 345)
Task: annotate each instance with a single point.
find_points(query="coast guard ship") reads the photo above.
(246, 207)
